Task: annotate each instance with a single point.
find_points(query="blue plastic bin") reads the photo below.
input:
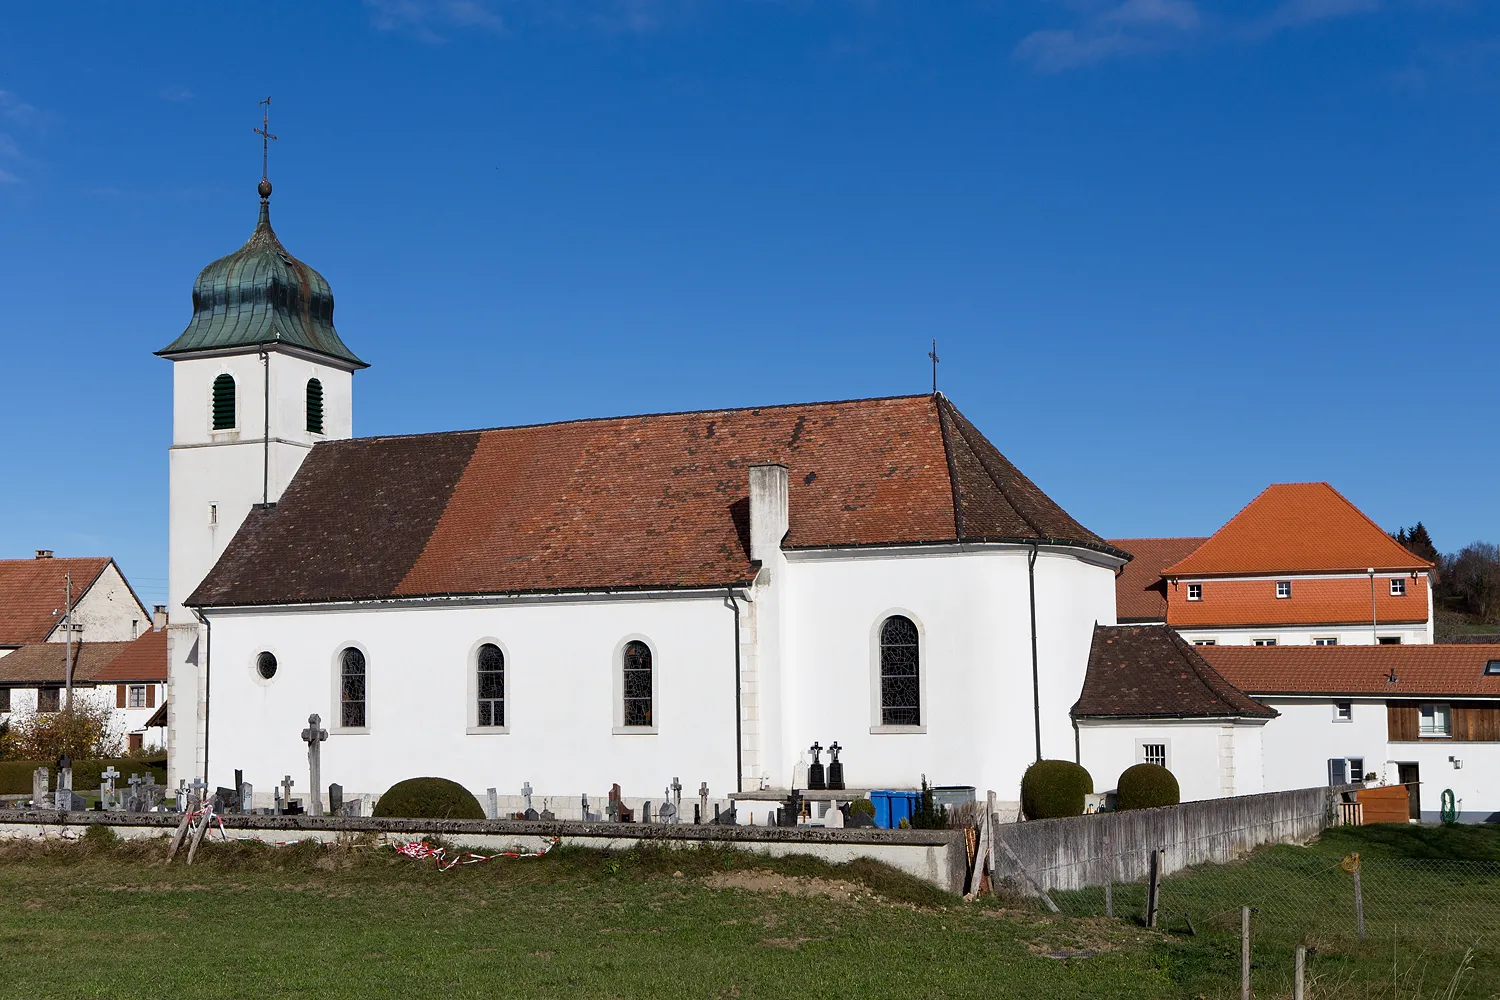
(891, 807)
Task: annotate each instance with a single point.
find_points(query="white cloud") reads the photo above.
(1133, 27)
(426, 19)
(14, 108)
(175, 94)
(1170, 13)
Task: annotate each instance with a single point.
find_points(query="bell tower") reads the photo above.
(259, 377)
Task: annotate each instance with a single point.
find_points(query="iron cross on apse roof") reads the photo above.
(931, 354)
(266, 138)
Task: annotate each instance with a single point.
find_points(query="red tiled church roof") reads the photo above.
(1148, 671)
(1140, 590)
(1297, 528)
(657, 501)
(31, 590)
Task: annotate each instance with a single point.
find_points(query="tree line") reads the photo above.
(1467, 580)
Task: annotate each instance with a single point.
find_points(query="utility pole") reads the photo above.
(68, 637)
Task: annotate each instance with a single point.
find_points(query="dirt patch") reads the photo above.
(759, 880)
(792, 943)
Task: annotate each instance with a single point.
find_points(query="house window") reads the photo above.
(1356, 769)
(1265, 642)
(315, 406)
(1338, 771)
(636, 687)
(136, 696)
(46, 699)
(490, 663)
(1434, 721)
(1327, 641)
(1343, 711)
(352, 688)
(900, 673)
(1398, 587)
(265, 664)
(1390, 640)
(1283, 588)
(224, 402)
(4, 699)
(1195, 591)
(1205, 642)
(1154, 753)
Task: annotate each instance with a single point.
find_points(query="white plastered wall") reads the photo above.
(1210, 758)
(106, 612)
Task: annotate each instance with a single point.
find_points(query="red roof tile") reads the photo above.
(45, 663)
(31, 590)
(1148, 671)
(1421, 671)
(624, 503)
(1140, 590)
(145, 659)
(1297, 528)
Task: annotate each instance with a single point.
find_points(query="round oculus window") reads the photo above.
(265, 665)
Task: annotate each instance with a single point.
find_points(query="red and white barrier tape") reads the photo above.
(421, 850)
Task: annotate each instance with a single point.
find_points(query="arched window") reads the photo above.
(224, 402)
(352, 688)
(636, 667)
(314, 406)
(900, 673)
(491, 666)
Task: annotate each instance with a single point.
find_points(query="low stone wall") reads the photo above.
(934, 856)
(1105, 848)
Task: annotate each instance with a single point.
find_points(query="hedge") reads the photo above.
(1054, 788)
(1146, 786)
(428, 798)
(15, 775)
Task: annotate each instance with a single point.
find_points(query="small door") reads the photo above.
(137, 740)
(1411, 778)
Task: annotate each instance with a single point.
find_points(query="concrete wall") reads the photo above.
(938, 857)
(1104, 848)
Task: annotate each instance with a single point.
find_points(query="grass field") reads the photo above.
(93, 919)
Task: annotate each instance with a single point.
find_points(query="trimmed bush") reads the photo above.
(15, 775)
(1146, 786)
(428, 798)
(864, 806)
(1054, 788)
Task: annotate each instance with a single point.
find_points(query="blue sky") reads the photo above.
(1172, 250)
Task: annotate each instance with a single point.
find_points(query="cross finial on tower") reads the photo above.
(266, 138)
(934, 356)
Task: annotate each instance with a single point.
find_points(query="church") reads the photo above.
(630, 600)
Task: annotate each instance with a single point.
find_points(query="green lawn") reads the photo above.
(94, 919)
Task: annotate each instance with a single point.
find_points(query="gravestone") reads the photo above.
(313, 736)
(526, 794)
(39, 782)
(238, 803)
(835, 768)
(225, 799)
(791, 810)
(618, 811)
(799, 771)
(64, 799)
(676, 787)
(151, 793)
(815, 779)
(107, 788)
(702, 802)
(547, 816)
(646, 811)
(668, 812)
(354, 808)
(247, 797)
(531, 815)
(588, 817)
(834, 818)
(491, 804)
(133, 797)
(335, 798)
(729, 817)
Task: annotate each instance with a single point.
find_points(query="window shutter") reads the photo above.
(1338, 773)
(224, 402)
(314, 406)
(119, 696)
(150, 695)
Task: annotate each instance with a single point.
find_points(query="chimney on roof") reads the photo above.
(158, 617)
(768, 509)
(44, 553)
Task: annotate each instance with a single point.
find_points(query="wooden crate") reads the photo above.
(1387, 804)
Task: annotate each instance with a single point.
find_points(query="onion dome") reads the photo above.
(261, 295)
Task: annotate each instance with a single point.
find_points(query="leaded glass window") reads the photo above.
(491, 666)
(637, 686)
(352, 688)
(900, 679)
(314, 406)
(224, 402)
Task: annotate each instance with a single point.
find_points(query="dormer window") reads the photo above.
(1283, 588)
(1398, 587)
(1195, 591)
(223, 403)
(1492, 668)
(314, 406)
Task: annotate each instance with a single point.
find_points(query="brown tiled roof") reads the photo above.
(1315, 601)
(1148, 671)
(1297, 528)
(145, 659)
(46, 662)
(1420, 670)
(654, 501)
(1140, 590)
(31, 590)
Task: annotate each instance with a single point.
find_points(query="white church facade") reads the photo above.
(696, 595)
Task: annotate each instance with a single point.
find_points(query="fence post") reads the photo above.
(1109, 881)
(1244, 953)
(1153, 891)
(1359, 901)
(1298, 973)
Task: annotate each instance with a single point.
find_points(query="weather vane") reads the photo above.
(265, 137)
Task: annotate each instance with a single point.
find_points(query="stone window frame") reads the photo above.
(336, 675)
(471, 661)
(617, 669)
(255, 666)
(877, 725)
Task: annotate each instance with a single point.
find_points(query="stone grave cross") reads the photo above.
(703, 802)
(526, 794)
(107, 786)
(314, 735)
(286, 793)
(195, 795)
(39, 788)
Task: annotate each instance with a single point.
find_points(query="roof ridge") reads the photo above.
(1206, 672)
(989, 473)
(953, 489)
(1370, 521)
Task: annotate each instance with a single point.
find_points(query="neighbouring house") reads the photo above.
(33, 594)
(129, 677)
(1299, 565)
(1236, 719)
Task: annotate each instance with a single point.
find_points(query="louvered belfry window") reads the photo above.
(224, 402)
(352, 689)
(314, 406)
(637, 686)
(491, 667)
(900, 678)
